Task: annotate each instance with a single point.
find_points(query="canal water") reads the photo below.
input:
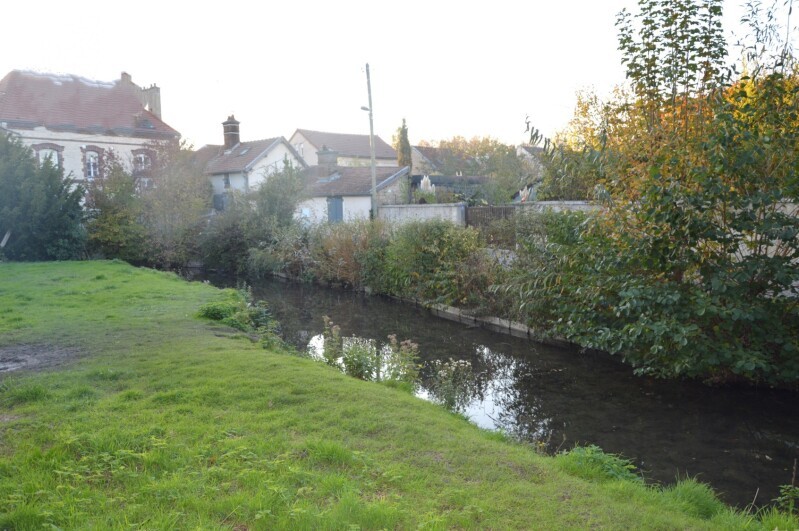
(741, 441)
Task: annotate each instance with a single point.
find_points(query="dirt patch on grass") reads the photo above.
(34, 357)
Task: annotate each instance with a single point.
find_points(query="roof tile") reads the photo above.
(73, 103)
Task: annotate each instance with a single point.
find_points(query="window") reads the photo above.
(92, 169)
(227, 181)
(141, 162)
(92, 162)
(48, 151)
(50, 154)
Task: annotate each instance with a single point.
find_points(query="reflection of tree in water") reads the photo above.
(459, 382)
(516, 408)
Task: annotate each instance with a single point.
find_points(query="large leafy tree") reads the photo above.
(175, 206)
(115, 215)
(692, 270)
(38, 207)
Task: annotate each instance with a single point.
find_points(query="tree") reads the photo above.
(255, 222)
(176, 206)
(403, 147)
(486, 156)
(692, 269)
(115, 215)
(41, 209)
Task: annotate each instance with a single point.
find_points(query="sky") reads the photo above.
(448, 67)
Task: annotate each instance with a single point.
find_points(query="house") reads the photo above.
(337, 193)
(428, 160)
(243, 166)
(353, 150)
(78, 123)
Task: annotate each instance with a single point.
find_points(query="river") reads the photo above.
(741, 441)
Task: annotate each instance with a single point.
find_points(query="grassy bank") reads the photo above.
(158, 419)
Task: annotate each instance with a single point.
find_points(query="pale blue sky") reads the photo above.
(448, 67)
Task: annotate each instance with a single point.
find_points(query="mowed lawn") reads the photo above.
(149, 417)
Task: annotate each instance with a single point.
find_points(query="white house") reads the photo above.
(77, 122)
(352, 150)
(338, 193)
(243, 166)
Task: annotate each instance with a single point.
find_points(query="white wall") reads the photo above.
(72, 143)
(273, 162)
(312, 210)
(357, 207)
(237, 182)
(306, 150)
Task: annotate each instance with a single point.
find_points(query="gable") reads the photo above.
(247, 156)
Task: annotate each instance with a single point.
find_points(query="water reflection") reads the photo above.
(739, 441)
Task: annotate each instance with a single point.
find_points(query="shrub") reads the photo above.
(360, 358)
(423, 258)
(337, 249)
(217, 311)
(590, 462)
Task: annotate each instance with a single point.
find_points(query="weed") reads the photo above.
(590, 462)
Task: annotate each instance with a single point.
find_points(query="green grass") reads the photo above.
(170, 421)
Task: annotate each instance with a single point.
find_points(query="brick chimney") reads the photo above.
(230, 127)
(328, 158)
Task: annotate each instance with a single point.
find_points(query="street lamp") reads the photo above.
(371, 143)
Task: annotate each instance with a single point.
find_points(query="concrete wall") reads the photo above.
(398, 214)
(561, 206)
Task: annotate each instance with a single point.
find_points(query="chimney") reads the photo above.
(125, 78)
(230, 127)
(151, 99)
(328, 158)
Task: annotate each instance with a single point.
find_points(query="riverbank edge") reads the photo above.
(453, 313)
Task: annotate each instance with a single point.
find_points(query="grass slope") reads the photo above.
(167, 421)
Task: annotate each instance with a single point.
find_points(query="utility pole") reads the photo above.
(372, 143)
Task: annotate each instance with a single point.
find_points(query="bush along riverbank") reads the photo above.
(163, 409)
(568, 279)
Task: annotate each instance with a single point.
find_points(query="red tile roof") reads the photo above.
(324, 181)
(240, 158)
(73, 103)
(347, 145)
